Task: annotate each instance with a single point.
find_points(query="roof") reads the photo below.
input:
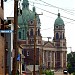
(48, 44)
(59, 21)
(27, 14)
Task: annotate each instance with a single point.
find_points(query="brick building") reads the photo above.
(2, 52)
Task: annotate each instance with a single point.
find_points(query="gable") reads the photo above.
(48, 45)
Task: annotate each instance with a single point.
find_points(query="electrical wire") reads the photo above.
(55, 6)
(66, 11)
(52, 27)
(50, 5)
(53, 13)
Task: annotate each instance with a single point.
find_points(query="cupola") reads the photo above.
(58, 21)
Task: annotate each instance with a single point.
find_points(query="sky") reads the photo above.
(50, 8)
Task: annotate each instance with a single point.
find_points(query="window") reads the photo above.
(23, 67)
(38, 32)
(56, 26)
(31, 22)
(63, 35)
(27, 53)
(31, 32)
(60, 36)
(9, 21)
(19, 35)
(57, 36)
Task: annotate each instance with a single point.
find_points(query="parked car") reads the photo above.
(65, 71)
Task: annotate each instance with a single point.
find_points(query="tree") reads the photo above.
(71, 62)
(73, 73)
(69, 67)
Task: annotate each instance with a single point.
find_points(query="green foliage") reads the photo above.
(48, 72)
(69, 67)
(71, 62)
(73, 73)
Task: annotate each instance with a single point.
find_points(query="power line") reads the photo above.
(46, 28)
(53, 13)
(66, 10)
(55, 6)
(52, 27)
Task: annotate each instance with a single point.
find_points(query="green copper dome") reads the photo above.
(59, 21)
(23, 19)
(27, 15)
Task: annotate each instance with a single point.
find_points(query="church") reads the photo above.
(50, 54)
(55, 51)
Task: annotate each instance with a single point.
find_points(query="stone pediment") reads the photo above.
(48, 45)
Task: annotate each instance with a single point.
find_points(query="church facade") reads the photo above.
(55, 52)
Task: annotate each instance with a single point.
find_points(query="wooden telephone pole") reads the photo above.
(34, 45)
(35, 23)
(15, 37)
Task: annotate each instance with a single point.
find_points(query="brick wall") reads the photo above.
(1, 56)
(1, 13)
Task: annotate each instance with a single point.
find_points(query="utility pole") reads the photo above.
(35, 23)
(34, 45)
(15, 37)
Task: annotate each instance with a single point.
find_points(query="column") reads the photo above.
(43, 57)
(62, 59)
(54, 59)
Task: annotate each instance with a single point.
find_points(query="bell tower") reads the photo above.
(60, 43)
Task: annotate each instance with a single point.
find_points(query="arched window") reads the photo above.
(57, 36)
(19, 35)
(31, 32)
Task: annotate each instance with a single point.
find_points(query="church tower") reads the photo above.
(60, 43)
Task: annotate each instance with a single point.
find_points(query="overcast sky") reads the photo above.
(49, 8)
